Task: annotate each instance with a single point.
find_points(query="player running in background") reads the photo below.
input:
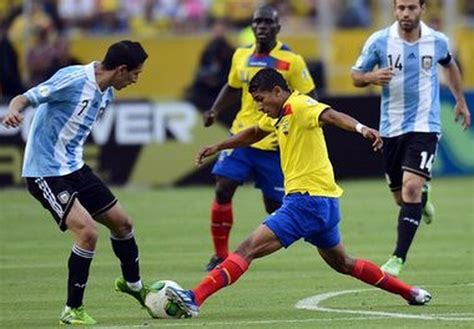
(310, 207)
(260, 160)
(67, 106)
(407, 54)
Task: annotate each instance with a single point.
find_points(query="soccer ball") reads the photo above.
(158, 304)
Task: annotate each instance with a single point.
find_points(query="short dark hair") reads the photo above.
(422, 2)
(266, 80)
(268, 10)
(124, 52)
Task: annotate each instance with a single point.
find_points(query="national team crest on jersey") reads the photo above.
(284, 122)
(285, 126)
(426, 62)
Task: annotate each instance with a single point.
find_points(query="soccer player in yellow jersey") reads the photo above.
(310, 207)
(259, 160)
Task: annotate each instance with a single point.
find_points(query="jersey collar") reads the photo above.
(278, 45)
(286, 108)
(90, 74)
(425, 30)
(90, 71)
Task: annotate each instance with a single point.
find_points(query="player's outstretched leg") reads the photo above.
(76, 316)
(225, 274)
(428, 207)
(370, 273)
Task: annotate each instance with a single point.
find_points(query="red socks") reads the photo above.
(221, 223)
(370, 273)
(223, 275)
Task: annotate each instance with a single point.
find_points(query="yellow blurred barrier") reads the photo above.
(173, 59)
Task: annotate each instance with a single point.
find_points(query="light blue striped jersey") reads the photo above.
(410, 102)
(67, 106)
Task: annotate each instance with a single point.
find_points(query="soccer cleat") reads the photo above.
(393, 266)
(76, 316)
(419, 297)
(213, 262)
(185, 301)
(429, 209)
(121, 285)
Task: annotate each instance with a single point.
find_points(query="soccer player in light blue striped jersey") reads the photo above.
(67, 105)
(406, 55)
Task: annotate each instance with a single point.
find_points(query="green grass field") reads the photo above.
(172, 228)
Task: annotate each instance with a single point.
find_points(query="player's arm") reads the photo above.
(246, 137)
(346, 122)
(453, 76)
(364, 72)
(227, 98)
(14, 116)
(379, 77)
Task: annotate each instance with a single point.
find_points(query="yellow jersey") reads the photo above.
(304, 157)
(245, 64)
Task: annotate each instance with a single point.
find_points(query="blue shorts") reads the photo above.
(314, 218)
(244, 162)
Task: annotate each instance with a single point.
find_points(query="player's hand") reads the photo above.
(209, 117)
(382, 77)
(461, 110)
(374, 136)
(13, 119)
(205, 152)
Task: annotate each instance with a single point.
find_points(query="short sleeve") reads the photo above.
(52, 89)
(266, 124)
(442, 49)
(311, 112)
(369, 56)
(300, 79)
(233, 79)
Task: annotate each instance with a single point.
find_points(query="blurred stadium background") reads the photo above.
(151, 133)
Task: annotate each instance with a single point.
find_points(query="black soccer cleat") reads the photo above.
(213, 262)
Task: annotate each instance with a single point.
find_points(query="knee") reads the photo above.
(343, 265)
(123, 227)
(246, 251)
(223, 194)
(411, 192)
(88, 237)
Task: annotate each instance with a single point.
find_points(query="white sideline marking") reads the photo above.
(312, 303)
(190, 323)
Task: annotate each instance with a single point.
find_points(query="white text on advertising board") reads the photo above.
(135, 123)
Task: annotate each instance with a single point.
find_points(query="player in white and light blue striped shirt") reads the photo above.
(406, 55)
(67, 105)
(72, 97)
